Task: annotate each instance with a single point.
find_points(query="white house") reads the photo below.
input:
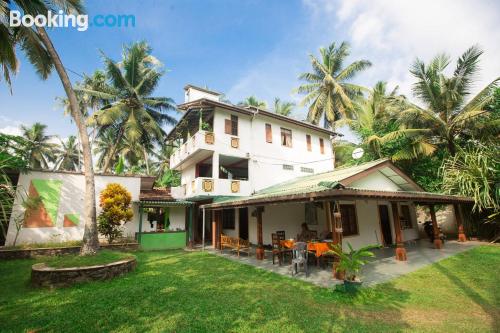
(259, 172)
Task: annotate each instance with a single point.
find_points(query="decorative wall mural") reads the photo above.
(45, 215)
(71, 220)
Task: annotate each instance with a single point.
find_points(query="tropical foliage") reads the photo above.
(475, 172)
(352, 261)
(447, 115)
(39, 149)
(114, 201)
(132, 112)
(327, 90)
(253, 101)
(69, 155)
(283, 108)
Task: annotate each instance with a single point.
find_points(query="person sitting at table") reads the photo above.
(305, 235)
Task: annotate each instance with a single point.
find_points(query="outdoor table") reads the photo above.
(319, 248)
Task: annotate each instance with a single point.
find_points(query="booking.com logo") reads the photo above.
(61, 20)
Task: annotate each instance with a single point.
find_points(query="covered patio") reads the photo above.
(382, 268)
(370, 204)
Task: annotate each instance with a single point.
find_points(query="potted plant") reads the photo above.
(351, 262)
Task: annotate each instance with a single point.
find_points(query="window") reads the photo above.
(269, 133)
(228, 221)
(287, 167)
(321, 146)
(308, 140)
(231, 126)
(234, 125)
(306, 170)
(349, 223)
(286, 137)
(406, 218)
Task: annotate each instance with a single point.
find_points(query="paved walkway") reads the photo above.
(382, 268)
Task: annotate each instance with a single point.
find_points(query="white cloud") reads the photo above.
(393, 33)
(10, 126)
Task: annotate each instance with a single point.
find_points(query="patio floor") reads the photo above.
(382, 268)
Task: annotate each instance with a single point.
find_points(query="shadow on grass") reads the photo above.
(196, 292)
(490, 309)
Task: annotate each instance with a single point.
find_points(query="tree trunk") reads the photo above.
(146, 160)
(112, 152)
(90, 236)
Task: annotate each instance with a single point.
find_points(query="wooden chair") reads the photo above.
(285, 252)
(276, 248)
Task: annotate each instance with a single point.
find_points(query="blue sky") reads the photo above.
(244, 48)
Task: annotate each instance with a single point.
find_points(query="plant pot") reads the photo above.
(352, 286)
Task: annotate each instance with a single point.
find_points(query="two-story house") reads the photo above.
(251, 173)
(227, 150)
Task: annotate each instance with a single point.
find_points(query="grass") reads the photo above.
(71, 260)
(175, 291)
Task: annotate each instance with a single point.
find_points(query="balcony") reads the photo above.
(199, 142)
(202, 144)
(204, 186)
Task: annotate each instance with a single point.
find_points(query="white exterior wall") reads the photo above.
(71, 201)
(267, 159)
(375, 181)
(289, 217)
(177, 218)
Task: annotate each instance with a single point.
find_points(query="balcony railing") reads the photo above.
(200, 140)
(212, 187)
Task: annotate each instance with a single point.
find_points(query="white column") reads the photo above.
(215, 165)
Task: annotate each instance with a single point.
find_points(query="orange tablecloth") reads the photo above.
(317, 247)
(287, 243)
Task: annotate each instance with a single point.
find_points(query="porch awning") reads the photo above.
(341, 184)
(160, 203)
(341, 194)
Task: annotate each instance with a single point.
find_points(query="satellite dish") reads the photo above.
(357, 153)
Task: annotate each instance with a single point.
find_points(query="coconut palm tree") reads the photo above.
(369, 113)
(68, 156)
(283, 108)
(327, 91)
(253, 101)
(103, 144)
(40, 51)
(445, 116)
(132, 112)
(40, 151)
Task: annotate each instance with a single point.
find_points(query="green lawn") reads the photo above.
(197, 292)
(103, 257)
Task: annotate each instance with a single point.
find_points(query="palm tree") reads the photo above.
(40, 51)
(69, 155)
(283, 108)
(103, 144)
(40, 151)
(369, 113)
(133, 112)
(253, 101)
(446, 116)
(328, 92)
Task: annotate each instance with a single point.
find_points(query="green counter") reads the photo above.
(163, 240)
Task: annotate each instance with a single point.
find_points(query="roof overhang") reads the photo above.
(344, 194)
